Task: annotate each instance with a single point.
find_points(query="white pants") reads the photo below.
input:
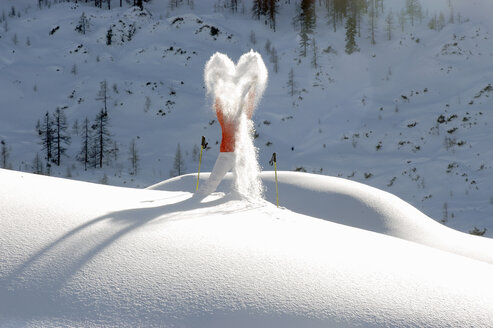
(224, 163)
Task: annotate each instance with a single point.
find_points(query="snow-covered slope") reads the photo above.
(80, 254)
(357, 205)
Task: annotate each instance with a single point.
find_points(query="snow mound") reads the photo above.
(79, 254)
(358, 205)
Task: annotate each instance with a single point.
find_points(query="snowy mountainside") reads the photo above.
(123, 257)
(411, 115)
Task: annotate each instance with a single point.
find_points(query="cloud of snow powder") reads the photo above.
(232, 85)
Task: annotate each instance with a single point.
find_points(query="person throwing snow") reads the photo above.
(236, 90)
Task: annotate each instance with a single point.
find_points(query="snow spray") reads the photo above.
(234, 86)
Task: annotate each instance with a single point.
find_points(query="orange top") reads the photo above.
(228, 132)
(229, 127)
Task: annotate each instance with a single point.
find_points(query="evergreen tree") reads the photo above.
(350, 36)
(291, 82)
(84, 154)
(433, 23)
(134, 157)
(274, 59)
(61, 138)
(178, 163)
(402, 20)
(46, 133)
(109, 36)
(372, 20)
(304, 38)
(451, 19)
(100, 140)
(267, 8)
(257, 9)
(103, 94)
(233, 5)
(314, 54)
(75, 127)
(272, 11)
(441, 21)
(253, 39)
(308, 15)
(413, 9)
(4, 155)
(389, 21)
(307, 20)
(37, 165)
(83, 25)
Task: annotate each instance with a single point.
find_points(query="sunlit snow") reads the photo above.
(80, 254)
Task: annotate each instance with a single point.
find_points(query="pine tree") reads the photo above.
(314, 61)
(389, 21)
(134, 157)
(233, 5)
(147, 104)
(75, 127)
(46, 133)
(433, 23)
(83, 25)
(350, 36)
(274, 59)
(4, 155)
(267, 8)
(37, 165)
(291, 83)
(109, 36)
(84, 154)
(103, 95)
(451, 19)
(178, 163)
(253, 39)
(402, 20)
(413, 9)
(304, 38)
(61, 138)
(308, 15)
(272, 11)
(257, 9)
(100, 140)
(307, 20)
(441, 21)
(373, 20)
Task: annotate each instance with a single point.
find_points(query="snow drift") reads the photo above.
(79, 254)
(358, 205)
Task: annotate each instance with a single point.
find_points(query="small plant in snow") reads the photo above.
(477, 232)
(83, 25)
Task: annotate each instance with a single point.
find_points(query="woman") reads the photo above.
(236, 91)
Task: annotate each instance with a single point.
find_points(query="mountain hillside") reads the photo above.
(409, 111)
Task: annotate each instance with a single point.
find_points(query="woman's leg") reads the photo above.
(224, 163)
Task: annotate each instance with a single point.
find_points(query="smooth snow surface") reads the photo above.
(79, 254)
(357, 205)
